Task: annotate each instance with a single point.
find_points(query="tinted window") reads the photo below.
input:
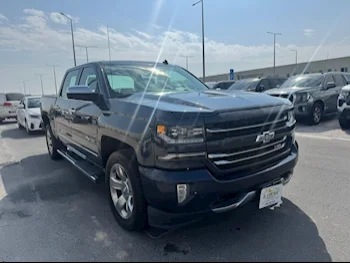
(88, 78)
(339, 80)
(265, 83)
(218, 86)
(328, 79)
(14, 96)
(69, 81)
(274, 83)
(226, 85)
(34, 103)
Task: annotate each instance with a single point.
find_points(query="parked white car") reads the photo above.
(28, 114)
(8, 105)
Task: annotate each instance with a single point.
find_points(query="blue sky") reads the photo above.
(32, 34)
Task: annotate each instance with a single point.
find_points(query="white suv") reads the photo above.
(8, 105)
(343, 105)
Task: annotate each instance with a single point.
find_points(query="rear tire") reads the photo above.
(52, 144)
(344, 124)
(122, 172)
(316, 114)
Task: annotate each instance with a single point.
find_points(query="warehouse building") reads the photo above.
(335, 64)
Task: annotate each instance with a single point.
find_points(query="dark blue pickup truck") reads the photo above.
(170, 150)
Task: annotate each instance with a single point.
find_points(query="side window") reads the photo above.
(226, 85)
(69, 81)
(339, 80)
(217, 86)
(265, 83)
(88, 78)
(274, 83)
(328, 79)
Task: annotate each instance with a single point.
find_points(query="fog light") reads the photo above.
(183, 191)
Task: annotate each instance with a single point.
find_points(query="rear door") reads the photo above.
(84, 118)
(62, 106)
(328, 95)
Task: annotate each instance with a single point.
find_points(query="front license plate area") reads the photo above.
(270, 195)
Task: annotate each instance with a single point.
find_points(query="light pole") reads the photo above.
(325, 64)
(86, 50)
(54, 74)
(71, 28)
(187, 57)
(41, 82)
(24, 86)
(296, 55)
(274, 50)
(203, 54)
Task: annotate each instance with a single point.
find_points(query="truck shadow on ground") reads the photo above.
(55, 199)
(16, 133)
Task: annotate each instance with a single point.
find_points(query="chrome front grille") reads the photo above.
(238, 151)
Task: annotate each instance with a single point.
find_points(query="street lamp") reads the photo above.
(71, 28)
(86, 50)
(274, 50)
(296, 55)
(201, 1)
(24, 86)
(187, 57)
(54, 74)
(41, 82)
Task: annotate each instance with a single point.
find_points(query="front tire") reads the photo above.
(125, 192)
(316, 114)
(344, 124)
(52, 144)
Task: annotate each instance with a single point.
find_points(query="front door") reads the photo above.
(84, 118)
(62, 106)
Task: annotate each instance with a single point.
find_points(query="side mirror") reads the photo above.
(348, 82)
(82, 93)
(20, 106)
(330, 85)
(261, 88)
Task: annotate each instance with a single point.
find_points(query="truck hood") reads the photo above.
(279, 91)
(207, 101)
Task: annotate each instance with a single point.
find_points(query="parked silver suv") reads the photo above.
(8, 105)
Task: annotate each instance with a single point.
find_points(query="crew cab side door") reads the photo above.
(62, 106)
(84, 115)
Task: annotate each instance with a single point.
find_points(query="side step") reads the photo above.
(88, 169)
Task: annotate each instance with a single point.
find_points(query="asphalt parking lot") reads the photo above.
(49, 211)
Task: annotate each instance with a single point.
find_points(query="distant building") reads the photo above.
(320, 66)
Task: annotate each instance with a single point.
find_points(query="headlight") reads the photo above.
(344, 94)
(290, 118)
(34, 116)
(303, 97)
(179, 135)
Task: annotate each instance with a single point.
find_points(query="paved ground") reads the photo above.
(49, 211)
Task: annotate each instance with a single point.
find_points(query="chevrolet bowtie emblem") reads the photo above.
(265, 137)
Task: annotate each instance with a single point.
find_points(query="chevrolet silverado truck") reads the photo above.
(169, 150)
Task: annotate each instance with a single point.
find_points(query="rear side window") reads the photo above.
(265, 83)
(226, 85)
(70, 80)
(339, 80)
(275, 83)
(14, 96)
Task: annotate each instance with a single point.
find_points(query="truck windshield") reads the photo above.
(245, 84)
(34, 103)
(129, 79)
(303, 81)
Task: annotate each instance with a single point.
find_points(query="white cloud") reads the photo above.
(156, 26)
(60, 19)
(34, 12)
(39, 43)
(3, 18)
(309, 32)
